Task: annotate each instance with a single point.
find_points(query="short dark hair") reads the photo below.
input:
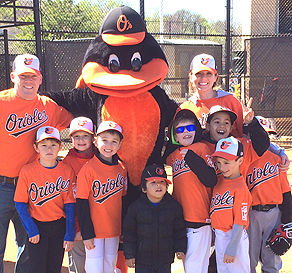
(112, 132)
(51, 138)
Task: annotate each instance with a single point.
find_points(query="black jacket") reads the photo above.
(153, 234)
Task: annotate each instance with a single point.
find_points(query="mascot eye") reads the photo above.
(136, 62)
(113, 63)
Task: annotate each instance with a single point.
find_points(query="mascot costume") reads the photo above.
(121, 71)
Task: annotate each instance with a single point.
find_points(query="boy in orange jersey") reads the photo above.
(192, 182)
(271, 205)
(229, 209)
(101, 183)
(43, 198)
(219, 125)
(154, 229)
(82, 136)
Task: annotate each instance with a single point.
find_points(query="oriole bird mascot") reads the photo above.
(121, 71)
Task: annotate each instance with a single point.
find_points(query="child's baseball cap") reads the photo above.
(267, 124)
(229, 148)
(47, 132)
(81, 124)
(154, 172)
(109, 125)
(203, 62)
(26, 63)
(218, 108)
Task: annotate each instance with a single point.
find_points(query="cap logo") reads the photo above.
(205, 61)
(263, 122)
(49, 130)
(159, 171)
(112, 125)
(28, 61)
(82, 122)
(224, 145)
(123, 23)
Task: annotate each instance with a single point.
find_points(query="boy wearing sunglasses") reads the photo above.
(193, 179)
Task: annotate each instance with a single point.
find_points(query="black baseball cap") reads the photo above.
(122, 26)
(154, 172)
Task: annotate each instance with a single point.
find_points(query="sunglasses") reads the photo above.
(181, 129)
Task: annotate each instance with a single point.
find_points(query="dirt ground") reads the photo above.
(177, 267)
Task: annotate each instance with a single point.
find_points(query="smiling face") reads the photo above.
(26, 85)
(220, 126)
(203, 82)
(108, 143)
(229, 168)
(185, 138)
(82, 141)
(155, 190)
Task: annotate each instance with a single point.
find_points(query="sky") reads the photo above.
(212, 10)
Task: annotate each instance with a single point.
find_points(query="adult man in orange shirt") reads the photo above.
(22, 112)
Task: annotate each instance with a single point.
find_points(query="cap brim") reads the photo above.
(121, 40)
(224, 155)
(204, 68)
(110, 129)
(158, 179)
(28, 70)
(43, 138)
(83, 130)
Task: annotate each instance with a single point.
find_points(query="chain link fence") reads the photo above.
(260, 44)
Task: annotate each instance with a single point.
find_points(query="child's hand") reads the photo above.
(248, 113)
(130, 262)
(89, 244)
(68, 245)
(78, 236)
(180, 255)
(34, 239)
(228, 259)
(121, 239)
(285, 162)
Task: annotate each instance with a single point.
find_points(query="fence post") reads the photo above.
(37, 29)
(142, 12)
(227, 44)
(6, 54)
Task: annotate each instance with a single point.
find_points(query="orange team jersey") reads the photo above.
(230, 204)
(201, 109)
(249, 155)
(193, 196)
(103, 185)
(45, 190)
(265, 182)
(19, 122)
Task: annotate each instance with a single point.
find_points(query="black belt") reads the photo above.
(263, 207)
(8, 180)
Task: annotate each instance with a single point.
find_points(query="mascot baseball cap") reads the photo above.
(218, 108)
(267, 124)
(109, 125)
(26, 63)
(81, 124)
(122, 26)
(154, 172)
(229, 148)
(203, 62)
(47, 132)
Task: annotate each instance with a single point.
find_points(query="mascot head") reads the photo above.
(124, 60)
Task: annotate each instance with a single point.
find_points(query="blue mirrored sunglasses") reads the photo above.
(190, 128)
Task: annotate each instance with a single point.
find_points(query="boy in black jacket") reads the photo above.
(154, 228)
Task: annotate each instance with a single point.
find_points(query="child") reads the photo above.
(43, 198)
(229, 209)
(82, 136)
(192, 180)
(101, 183)
(154, 227)
(219, 125)
(271, 205)
(203, 79)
